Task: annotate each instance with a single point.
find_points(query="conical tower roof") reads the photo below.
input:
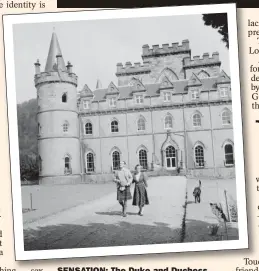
(54, 50)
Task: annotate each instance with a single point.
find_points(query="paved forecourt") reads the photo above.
(99, 222)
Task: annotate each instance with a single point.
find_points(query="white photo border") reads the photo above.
(10, 20)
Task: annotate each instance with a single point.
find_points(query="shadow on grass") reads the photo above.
(199, 231)
(68, 236)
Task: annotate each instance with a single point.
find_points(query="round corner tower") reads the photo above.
(58, 126)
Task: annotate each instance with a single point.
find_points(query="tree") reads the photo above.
(218, 21)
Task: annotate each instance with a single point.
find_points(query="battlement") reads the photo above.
(55, 76)
(205, 60)
(133, 69)
(165, 49)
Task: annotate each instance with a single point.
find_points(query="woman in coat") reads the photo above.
(140, 197)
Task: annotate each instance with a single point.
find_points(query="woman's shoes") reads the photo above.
(124, 214)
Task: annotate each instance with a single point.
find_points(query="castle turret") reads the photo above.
(58, 131)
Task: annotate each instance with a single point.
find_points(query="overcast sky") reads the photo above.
(95, 47)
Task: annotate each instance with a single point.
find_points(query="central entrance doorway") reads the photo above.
(170, 156)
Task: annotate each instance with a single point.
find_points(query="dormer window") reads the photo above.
(86, 104)
(112, 102)
(139, 99)
(167, 97)
(224, 92)
(195, 94)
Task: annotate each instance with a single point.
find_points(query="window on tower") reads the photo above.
(90, 162)
(65, 127)
(64, 98)
(68, 169)
(114, 126)
(88, 128)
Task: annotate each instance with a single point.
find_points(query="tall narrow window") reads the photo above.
(67, 165)
(65, 127)
(229, 155)
(64, 98)
(168, 122)
(143, 158)
(39, 129)
(199, 156)
(114, 126)
(88, 128)
(141, 124)
(226, 117)
(40, 164)
(90, 162)
(196, 120)
(116, 160)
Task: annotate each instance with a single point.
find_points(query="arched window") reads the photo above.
(199, 156)
(88, 128)
(64, 98)
(168, 122)
(65, 127)
(116, 160)
(67, 161)
(141, 124)
(90, 162)
(229, 155)
(226, 117)
(170, 156)
(143, 158)
(196, 120)
(114, 126)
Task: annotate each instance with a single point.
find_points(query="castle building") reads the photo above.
(173, 112)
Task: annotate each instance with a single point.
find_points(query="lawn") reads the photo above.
(47, 200)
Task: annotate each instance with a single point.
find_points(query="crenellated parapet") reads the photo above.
(54, 77)
(205, 60)
(166, 49)
(129, 69)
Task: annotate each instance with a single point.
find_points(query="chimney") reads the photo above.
(37, 67)
(69, 67)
